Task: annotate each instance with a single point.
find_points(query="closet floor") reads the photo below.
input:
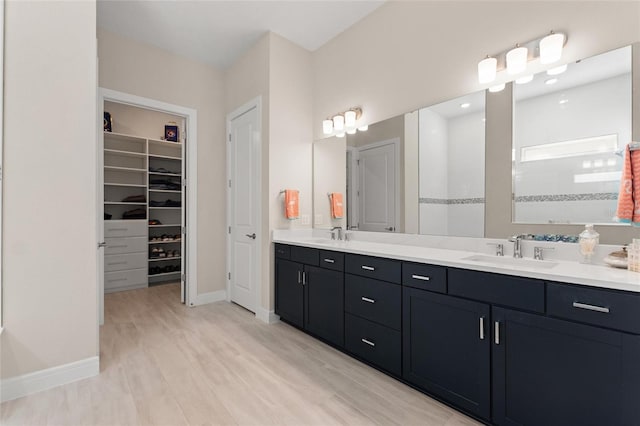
(165, 364)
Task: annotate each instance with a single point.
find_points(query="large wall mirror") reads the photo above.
(553, 159)
(570, 126)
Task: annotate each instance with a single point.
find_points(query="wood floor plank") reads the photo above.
(162, 363)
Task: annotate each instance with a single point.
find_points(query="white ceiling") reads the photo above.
(218, 32)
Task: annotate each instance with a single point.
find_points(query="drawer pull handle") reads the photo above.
(299, 277)
(329, 260)
(481, 328)
(366, 299)
(368, 268)
(590, 307)
(420, 277)
(496, 332)
(368, 342)
(117, 263)
(115, 281)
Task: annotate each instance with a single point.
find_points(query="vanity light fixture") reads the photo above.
(546, 49)
(363, 128)
(524, 80)
(497, 88)
(557, 70)
(343, 123)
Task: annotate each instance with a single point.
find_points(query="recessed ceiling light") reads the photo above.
(465, 105)
(557, 70)
(525, 79)
(551, 81)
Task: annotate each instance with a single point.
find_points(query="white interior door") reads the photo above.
(244, 208)
(377, 188)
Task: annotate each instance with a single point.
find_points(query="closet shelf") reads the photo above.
(123, 203)
(165, 242)
(125, 153)
(164, 143)
(133, 185)
(164, 190)
(158, 259)
(165, 157)
(165, 174)
(165, 226)
(164, 274)
(124, 169)
(165, 208)
(123, 136)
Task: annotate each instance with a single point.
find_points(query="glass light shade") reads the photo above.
(350, 119)
(364, 128)
(352, 131)
(551, 48)
(338, 123)
(327, 127)
(557, 70)
(524, 80)
(487, 70)
(340, 135)
(517, 60)
(497, 88)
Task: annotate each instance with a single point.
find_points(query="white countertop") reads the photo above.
(566, 271)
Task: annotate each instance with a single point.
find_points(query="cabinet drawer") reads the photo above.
(125, 228)
(283, 251)
(374, 300)
(374, 267)
(374, 343)
(126, 245)
(117, 280)
(506, 290)
(605, 308)
(306, 255)
(121, 262)
(332, 260)
(425, 277)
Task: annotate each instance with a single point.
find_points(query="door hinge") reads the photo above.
(184, 182)
(229, 137)
(183, 277)
(358, 162)
(184, 230)
(229, 229)
(229, 183)
(229, 275)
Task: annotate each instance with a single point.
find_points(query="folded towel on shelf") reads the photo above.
(337, 210)
(291, 204)
(629, 195)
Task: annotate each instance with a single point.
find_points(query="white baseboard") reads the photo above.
(37, 381)
(267, 316)
(213, 296)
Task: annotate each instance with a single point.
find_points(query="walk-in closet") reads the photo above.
(144, 197)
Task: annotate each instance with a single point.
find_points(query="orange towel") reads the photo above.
(337, 210)
(291, 204)
(629, 195)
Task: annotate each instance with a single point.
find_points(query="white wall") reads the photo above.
(141, 122)
(49, 230)
(144, 70)
(407, 55)
(329, 159)
(432, 169)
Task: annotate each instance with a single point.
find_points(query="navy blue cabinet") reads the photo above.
(446, 348)
(290, 291)
(554, 372)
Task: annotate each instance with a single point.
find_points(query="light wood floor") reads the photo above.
(165, 364)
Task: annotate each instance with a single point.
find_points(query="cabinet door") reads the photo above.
(289, 291)
(324, 304)
(447, 348)
(555, 373)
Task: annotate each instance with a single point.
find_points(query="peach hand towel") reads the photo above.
(629, 194)
(291, 204)
(337, 210)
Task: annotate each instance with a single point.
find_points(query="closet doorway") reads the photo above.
(146, 195)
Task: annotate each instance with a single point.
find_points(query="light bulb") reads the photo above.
(338, 123)
(327, 126)
(364, 128)
(340, 135)
(487, 70)
(497, 88)
(352, 131)
(350, 119)
(551, 48)
(517, 60)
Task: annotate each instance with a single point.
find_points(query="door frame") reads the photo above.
(191, 226)
(396, 148)
(257, 104)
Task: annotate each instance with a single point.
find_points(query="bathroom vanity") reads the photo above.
(554, 343)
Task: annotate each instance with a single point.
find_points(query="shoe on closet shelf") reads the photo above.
(154, 222)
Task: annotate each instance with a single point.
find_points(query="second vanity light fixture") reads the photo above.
(344, 122)
(547, 49)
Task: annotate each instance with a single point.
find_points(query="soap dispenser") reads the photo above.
(588, 242)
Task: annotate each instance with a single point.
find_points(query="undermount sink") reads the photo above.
(319, 241)
(511, 261)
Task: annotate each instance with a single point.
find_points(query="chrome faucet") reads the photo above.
(517, 245)
(338, 234)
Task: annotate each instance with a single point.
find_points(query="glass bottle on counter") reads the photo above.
(588, 241)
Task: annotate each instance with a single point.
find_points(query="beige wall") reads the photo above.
(49, 223)
(136, 121)
(329, 161)
(144, 70)
(407, 55)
